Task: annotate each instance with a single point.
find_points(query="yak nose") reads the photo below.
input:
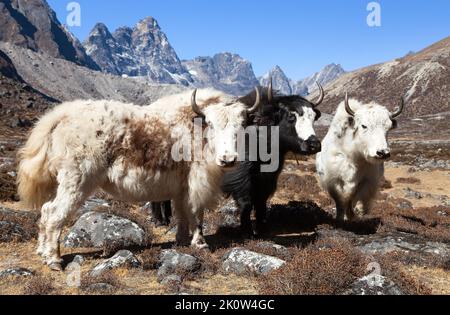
(383, 154)
(314, 144)
(228, 160)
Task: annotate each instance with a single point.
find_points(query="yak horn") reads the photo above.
(195, 108)
(321, 96)
(347, 106)
(399, 110)
(257, 102)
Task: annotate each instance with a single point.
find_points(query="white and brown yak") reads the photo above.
(128, 151)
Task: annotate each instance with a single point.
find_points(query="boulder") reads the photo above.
(173, 262)
(16, 272)
(123, 258)
(98, 230)
(374, 285)
(241, 261)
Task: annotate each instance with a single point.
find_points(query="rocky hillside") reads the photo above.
(423, 78)
(224, 71)
(304, 87)
(64, 80)
(33, 24)
(281, 82)
(141, 51)
(308, 85)
(7, 68)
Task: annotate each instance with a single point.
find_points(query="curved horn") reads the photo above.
(321, 96)
(257, 102)
(399, 110)
(347, 106)
(195, 108)
(270, 91)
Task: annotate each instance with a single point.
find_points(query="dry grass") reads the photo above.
(295, 187)
(392, 268)
(408, 180)
(426, 222)
(26, 221)
(150, 258)
(327, 267)
(39, 285)
(88, 283)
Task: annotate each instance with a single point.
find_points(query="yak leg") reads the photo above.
(71, 193)
(156, 213)
(261, 216)
(245, 206)
(196, 224)
(182, 216)
(166, 212)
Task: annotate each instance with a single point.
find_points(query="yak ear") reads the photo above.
(394, 124)
(351, 122)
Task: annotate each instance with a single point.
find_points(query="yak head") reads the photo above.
(369, 125)
(223, 121)
(295, 117)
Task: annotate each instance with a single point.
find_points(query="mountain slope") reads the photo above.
(33, 24)
(224, 71)
(308, 85)
(280, 81)
(423, 78)
(66, 81)
(142, 51)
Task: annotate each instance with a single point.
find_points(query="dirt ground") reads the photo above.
(298, 226)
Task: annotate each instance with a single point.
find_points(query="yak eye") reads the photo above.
(292, 118)
(364, 126)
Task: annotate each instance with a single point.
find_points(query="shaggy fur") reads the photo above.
(348, 166)
(126, 151)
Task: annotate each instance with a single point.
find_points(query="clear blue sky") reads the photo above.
(301, 36)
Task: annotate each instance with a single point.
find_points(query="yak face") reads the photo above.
(223, 124)
(370, 126)
(296, 125)
(224, 120)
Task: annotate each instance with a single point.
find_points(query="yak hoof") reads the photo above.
(55, 266)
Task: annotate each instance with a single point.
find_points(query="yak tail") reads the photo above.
(36, 184)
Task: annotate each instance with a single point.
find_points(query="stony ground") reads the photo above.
(401, 247)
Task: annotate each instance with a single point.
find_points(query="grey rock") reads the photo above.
(241, 261)
(380, 244)
(100, 287)
(16, 272)
(172, 261)
(229, 215)
(409, 193)
(78, 259)
(100, 229)
(171, 280)
(374, 285)
(123, 258)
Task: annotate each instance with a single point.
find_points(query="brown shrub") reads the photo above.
(150, 258)
(39, 285)
(209, 262)
(426, 222)
(391, 268)
(109, 278)
(294, 187)
(256, 246)
(7, 186)
(328, 267)
(25, 221)
(408, 180)
(385, 184)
